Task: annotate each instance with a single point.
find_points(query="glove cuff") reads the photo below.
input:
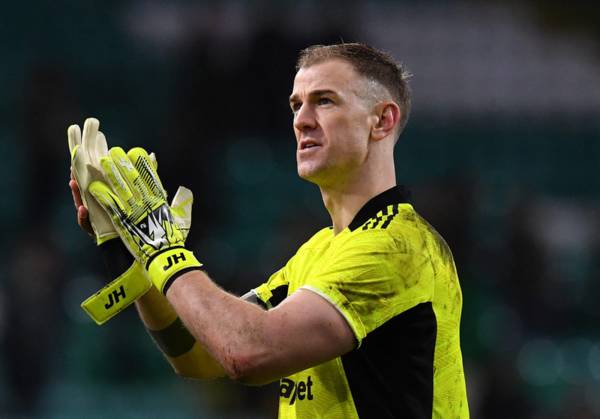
(129, 284)
(104, 238)
(164, 267)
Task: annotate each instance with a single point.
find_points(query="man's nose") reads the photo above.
(304, 118)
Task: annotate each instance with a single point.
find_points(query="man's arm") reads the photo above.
(252, 345)
(255, 346)
(184, 353)
(161, 321)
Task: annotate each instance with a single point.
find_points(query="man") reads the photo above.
(363, 321)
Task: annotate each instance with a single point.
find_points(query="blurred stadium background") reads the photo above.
(501, 154)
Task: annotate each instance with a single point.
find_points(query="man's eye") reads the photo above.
(295, 107)
(324, 101)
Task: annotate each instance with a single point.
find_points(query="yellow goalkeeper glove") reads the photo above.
(130, 280)
(129, 283)
(136, 201)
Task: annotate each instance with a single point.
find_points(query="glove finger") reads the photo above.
(78, 159)
(153, 161)
(108, 200)
(116, 181)
(181, 208)
(183, 200)
(98, 149)
(128, 173)
(147, 171)
(74, 138)
(90, 130)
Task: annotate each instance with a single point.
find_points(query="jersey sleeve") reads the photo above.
(373, 277)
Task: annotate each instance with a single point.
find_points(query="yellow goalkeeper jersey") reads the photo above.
(393, 278)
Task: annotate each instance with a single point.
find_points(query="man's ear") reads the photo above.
(387, 119)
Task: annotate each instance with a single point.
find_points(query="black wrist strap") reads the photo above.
(117, 258)
(174, 340)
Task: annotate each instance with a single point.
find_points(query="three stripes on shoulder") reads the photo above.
(382, 219)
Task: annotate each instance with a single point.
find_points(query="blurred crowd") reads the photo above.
(513, 190)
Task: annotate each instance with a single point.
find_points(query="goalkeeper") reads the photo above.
(363, 321)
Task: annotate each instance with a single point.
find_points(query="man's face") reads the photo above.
(332, 121)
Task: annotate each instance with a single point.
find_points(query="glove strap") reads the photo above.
(129, 284)
(117, 295)
(165, 267)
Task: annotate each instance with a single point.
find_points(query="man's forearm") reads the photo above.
(257, 346)
(230, 329)
(186, 356)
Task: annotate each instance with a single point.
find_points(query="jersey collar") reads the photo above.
(395, 195)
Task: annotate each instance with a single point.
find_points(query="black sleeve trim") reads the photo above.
(174, 340)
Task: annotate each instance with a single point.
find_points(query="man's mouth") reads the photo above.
(306, 144)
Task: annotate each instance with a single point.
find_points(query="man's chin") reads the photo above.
(308, 175)
(313, 176)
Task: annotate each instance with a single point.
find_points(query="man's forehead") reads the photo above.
(334, 74)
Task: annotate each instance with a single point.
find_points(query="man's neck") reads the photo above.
(343, 203)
